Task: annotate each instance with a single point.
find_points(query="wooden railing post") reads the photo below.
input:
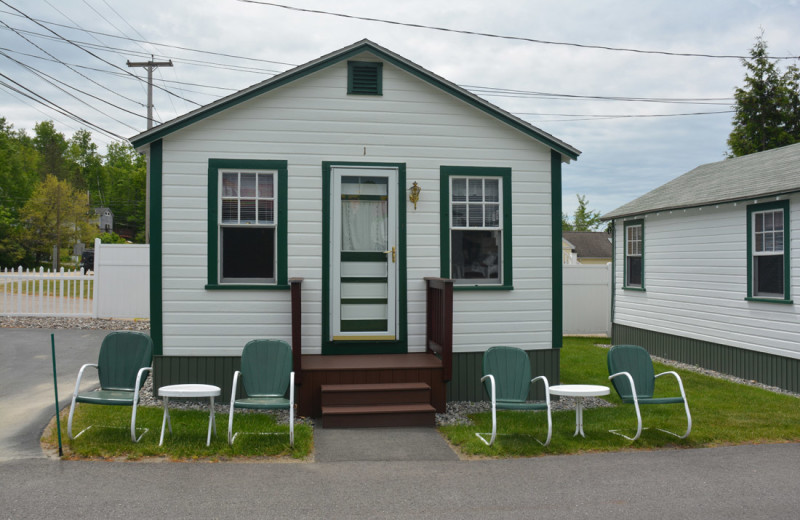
(439, 322)
(297, 329)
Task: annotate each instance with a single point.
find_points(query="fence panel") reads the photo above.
(124, 270)
(24, 292)
(587, 299)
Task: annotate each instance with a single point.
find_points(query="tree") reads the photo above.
(56, 215)
(583, 219)
(52, 147)
(85, 166)
(18, 178)
(767, 109)
(126, 172)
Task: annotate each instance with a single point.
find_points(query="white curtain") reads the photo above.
(364, 225)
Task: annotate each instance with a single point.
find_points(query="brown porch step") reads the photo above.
(377, 405)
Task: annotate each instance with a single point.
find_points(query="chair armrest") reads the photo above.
(680, 381)
(491, 385)
(139, 381)
(543, 379)
(291, 388)
(630, 380)
(80, 375)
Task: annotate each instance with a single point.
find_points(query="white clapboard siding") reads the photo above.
(695, 275)
(313, 120)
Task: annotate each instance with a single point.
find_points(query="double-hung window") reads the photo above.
(768, 255)
(476, 244)
(634, 254)
(247, 228)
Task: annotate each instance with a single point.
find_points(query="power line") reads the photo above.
(506, 37)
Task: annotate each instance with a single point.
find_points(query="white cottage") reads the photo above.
(706, 268)
(351, 179)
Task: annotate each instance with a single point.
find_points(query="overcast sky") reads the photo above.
(220, 46)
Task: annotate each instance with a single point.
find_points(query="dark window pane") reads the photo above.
(476, 215)
(265, 185)
(230, 211)
(248, 253)
(475, 255)
(768, 275)
(634, 271)
(266, 212)
(248, 212)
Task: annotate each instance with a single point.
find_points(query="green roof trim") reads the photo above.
(344, 54)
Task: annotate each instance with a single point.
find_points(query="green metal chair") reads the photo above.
(122, 366)
(266, 374)
(507, 380)
(631, 372)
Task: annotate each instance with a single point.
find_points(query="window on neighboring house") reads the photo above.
(247, 228)
(634, 254)
(768, 240)
(476, 243)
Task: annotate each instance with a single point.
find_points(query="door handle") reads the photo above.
(393, 250)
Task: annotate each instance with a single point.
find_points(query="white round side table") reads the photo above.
(579, 392)
(193, 390)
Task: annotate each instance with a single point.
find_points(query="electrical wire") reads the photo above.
(505, 37)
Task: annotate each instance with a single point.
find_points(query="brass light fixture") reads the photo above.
(413, 196)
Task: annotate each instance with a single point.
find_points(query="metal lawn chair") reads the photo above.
(266, 374)
(631, 372)
(122, 366)
(507, 380)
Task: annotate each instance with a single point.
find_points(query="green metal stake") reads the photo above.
(55, 386)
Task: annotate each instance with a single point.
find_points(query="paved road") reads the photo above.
(27, 401)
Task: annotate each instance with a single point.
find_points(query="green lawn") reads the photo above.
(188, 440)
(50, 287)
(722, 413)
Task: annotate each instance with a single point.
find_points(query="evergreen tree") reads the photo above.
(767, 109)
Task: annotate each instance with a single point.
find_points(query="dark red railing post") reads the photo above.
(297, 328)
(439, 322)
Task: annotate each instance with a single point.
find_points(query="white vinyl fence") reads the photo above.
(119, 287)
(587, 299)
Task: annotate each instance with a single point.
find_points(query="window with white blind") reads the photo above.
(768, 251)
(634, 254)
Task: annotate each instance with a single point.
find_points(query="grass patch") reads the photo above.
(110, 435)
(50, 287)
(723, 413)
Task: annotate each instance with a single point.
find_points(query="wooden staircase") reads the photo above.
(377, 405)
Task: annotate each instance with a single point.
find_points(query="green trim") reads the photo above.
(343, 55)
(366, 256)
(281, 255)
(625, 286)
(365, 301)
(364, 197)
(613, 267)
(243, 287)
(156, 247)
(555, 244)
(374, 88)
(379, 347)
(787, 273)
(364, 280)
(445, 172)
(377, 326)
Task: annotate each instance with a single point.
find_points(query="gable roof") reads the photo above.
(753, 176)
(333, 58)
(589, 244)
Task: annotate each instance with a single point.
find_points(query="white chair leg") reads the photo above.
(291, 410)
(71, 412)
(635, 404)
(494, 411)
(233, 401)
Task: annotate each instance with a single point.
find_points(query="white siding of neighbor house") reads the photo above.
(313, 120)
(695, 275)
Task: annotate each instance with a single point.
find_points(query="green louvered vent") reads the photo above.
(365, 77)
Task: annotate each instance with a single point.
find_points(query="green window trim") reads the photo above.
(281, 255)
(365, 78)
(628, 224)
(787, 279)
(156, 166)
(445, 173)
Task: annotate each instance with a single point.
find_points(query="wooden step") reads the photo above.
(377, 405)
(378, 416)
(375, 394)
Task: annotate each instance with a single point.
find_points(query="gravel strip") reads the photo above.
(61, 322)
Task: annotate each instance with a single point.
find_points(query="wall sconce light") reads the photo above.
(413, 196)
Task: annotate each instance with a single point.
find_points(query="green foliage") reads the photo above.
(56, 215)
(52, 147)
(126, 174)
(583, 219)
(722, 413)
(767, 109)
(111, 238)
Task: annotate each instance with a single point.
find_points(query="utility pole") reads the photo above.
(150, 66)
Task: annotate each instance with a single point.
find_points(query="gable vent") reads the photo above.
(365, 77)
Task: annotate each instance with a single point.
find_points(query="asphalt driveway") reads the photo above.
(27, 400)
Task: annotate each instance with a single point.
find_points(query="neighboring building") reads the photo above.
(586, 247)
(308, 175)
(104, 219)
(707, 265)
